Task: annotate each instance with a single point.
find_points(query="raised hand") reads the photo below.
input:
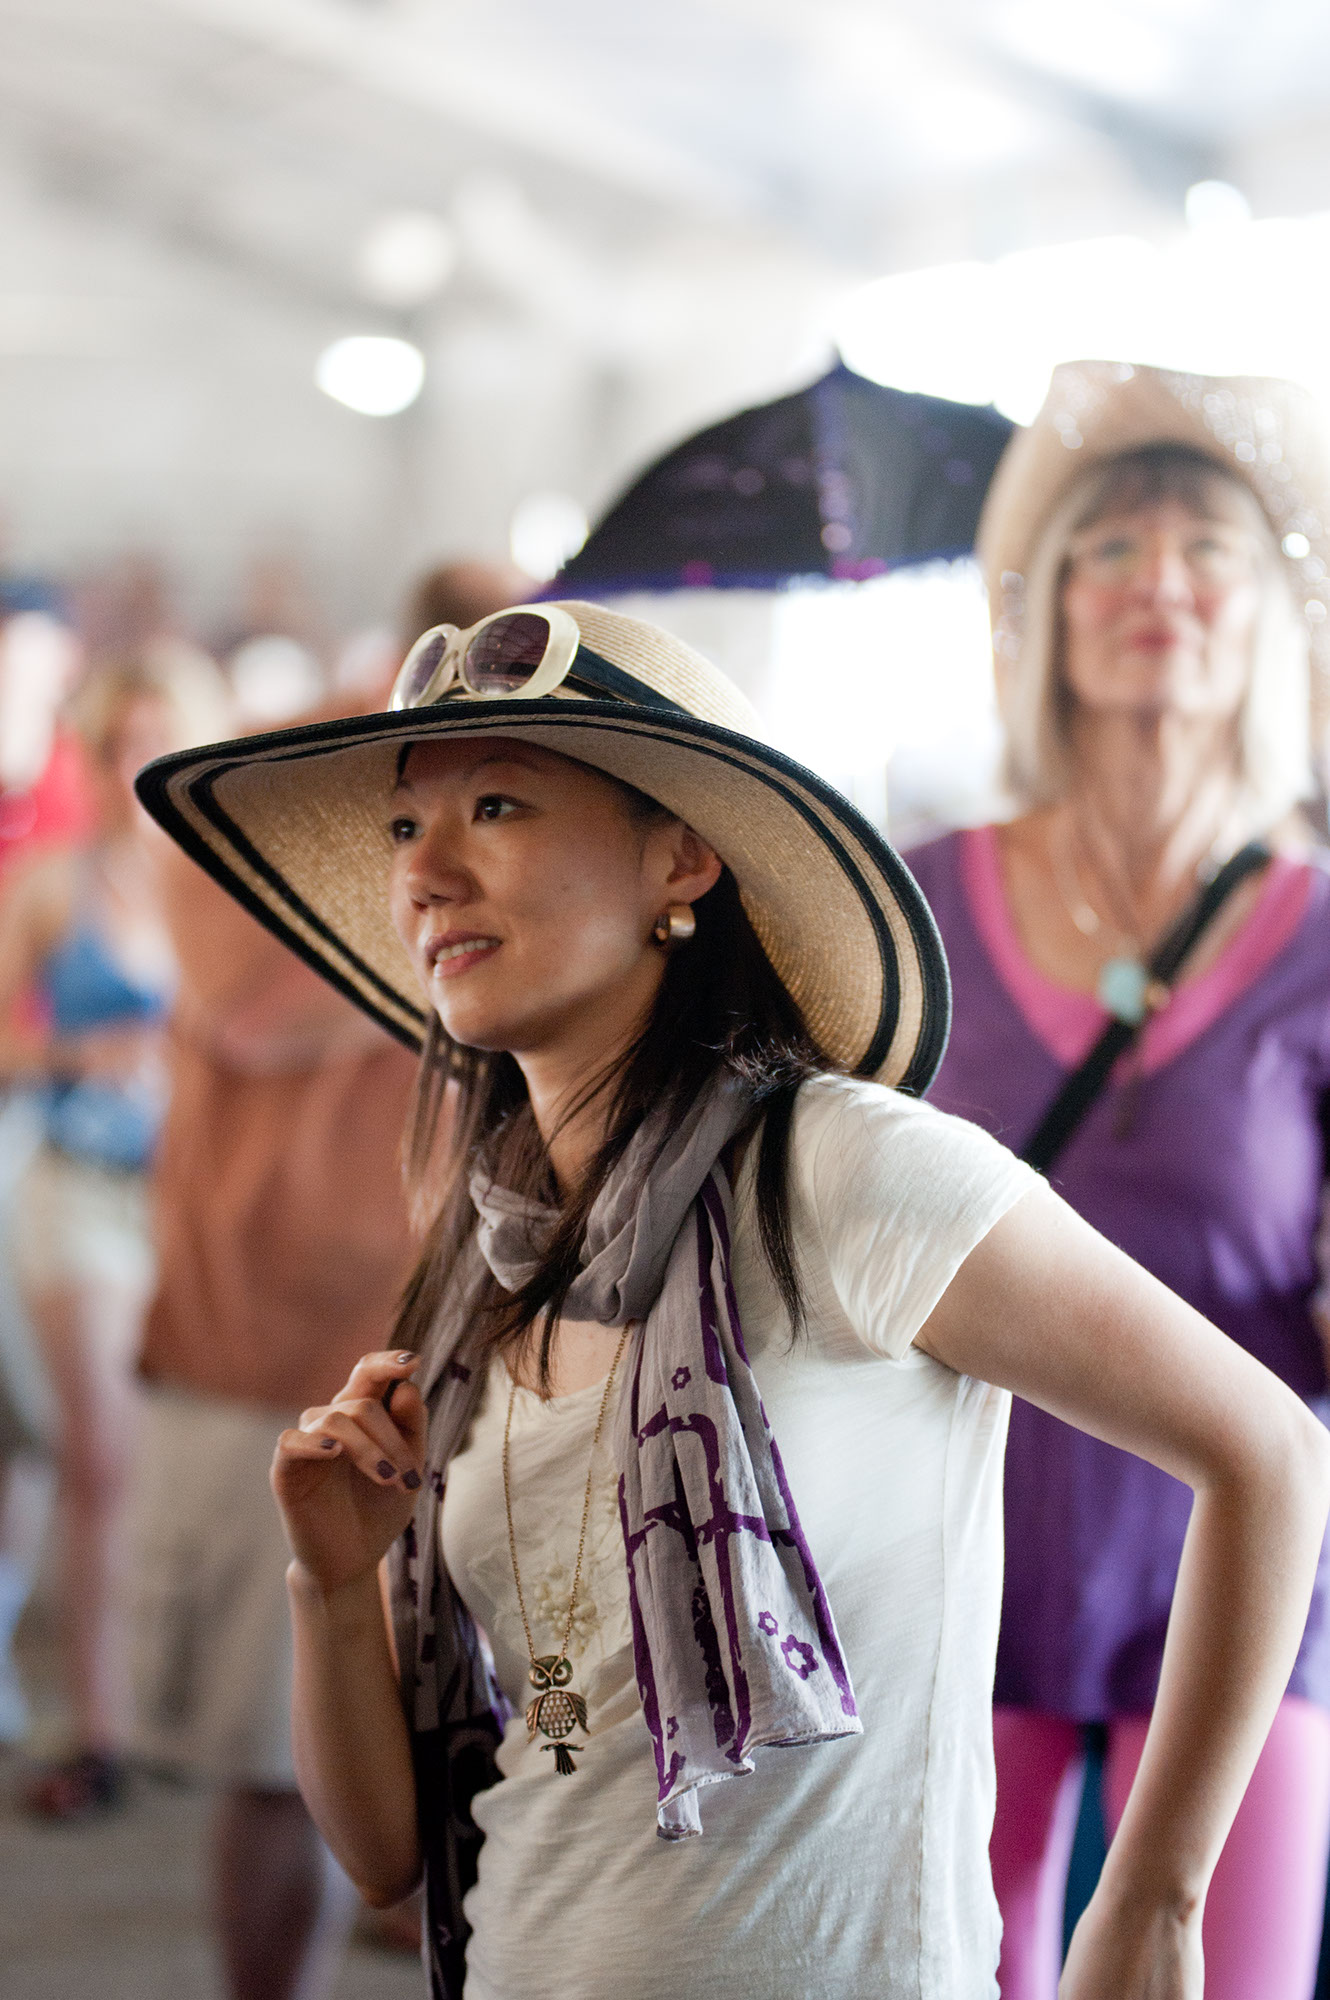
(347, 1478)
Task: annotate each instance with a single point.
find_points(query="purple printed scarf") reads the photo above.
(734, 1643)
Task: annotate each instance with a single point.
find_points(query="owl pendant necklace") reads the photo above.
(557, 1709)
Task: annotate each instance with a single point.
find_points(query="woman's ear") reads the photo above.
(681, 864)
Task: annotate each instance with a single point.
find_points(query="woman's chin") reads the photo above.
(485, 1037)
(1158, 688)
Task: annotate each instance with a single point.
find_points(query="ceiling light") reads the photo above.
(1215, 205)
(547, 528)
(371, 373)
(406, 258)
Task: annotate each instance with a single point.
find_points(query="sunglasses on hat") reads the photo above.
(526, 652)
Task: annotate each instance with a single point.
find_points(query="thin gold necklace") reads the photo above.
(557, 1709)
(1123, 986)
(1067, 877)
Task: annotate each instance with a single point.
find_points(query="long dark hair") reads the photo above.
(720, 1008)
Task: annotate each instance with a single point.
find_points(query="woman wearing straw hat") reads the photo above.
(690, 1412)
(1142, 975)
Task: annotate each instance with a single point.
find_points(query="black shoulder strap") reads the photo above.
(1084, 1085)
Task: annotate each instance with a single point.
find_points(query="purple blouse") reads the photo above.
(1207, 1167)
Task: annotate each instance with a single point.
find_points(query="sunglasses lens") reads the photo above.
(419, 668)
(502, 658)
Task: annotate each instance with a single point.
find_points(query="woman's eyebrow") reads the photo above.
(403, 783)
(505, 757)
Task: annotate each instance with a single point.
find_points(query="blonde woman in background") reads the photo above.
(1155, 547)
(82, 930)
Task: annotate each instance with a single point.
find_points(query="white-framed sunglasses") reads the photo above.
(526, 651)
(523, 653)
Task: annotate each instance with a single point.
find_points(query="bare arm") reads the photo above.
(342, 1514)
(34, 910)
(1044, 1306)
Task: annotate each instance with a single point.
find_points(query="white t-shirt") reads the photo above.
(844, 1870)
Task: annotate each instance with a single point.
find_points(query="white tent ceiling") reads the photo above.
(650, 203)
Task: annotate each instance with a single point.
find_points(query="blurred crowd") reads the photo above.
(199, 1223)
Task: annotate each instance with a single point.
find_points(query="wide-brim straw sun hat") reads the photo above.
(1269, 434)
(294, 823)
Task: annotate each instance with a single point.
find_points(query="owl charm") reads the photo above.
(556, 1711)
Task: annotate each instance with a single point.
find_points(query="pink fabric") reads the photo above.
(1040, 1770)
(1067, 1022)
(1263, 1918)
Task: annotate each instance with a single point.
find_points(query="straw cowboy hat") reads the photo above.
(293, 824)
(1270, 434)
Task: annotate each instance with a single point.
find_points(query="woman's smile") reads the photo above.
(1159, 636)
(452, 953)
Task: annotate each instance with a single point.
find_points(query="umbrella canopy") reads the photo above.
(845, 479)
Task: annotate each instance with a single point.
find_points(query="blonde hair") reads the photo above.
(183, 680)
(1274, 728)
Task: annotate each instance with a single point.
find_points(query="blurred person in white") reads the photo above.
(42, 801)
(283, 1245)
(81, 928)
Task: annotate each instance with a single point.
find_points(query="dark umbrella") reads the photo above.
(845, 479)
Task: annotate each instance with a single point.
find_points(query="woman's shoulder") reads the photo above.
(855, 1141)
(1314, 864)
(895, 1194)
(1295, 905)
(39, 894)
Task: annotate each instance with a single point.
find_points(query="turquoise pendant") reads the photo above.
(1123, 987)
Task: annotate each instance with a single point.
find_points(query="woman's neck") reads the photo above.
(571, 1091)
(572, 1074)
(1158, 793)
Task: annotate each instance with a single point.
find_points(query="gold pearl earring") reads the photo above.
(674, 925)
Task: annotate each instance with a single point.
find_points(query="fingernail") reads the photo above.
(385, 1471)
(405, 1357)
(327, 1444)
(410, 1480)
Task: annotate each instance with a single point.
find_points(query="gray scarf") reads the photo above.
(734, 1643)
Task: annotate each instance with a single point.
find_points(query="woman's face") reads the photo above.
(1159, 610)
(525, 893)
(145, 728)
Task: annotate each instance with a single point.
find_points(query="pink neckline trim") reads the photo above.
(1067, 1022)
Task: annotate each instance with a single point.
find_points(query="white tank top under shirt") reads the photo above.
(847, 1870)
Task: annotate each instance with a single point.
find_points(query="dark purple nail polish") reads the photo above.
(410, 1480)
(404, 1358)
(385, 1470)
(327, 1444)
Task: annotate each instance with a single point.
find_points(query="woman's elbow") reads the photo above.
(385, 1891)
(1288, 1455)
(1314, 1464)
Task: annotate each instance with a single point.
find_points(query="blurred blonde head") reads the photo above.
(182, 683)
(1273, 736)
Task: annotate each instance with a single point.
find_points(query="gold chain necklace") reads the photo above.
(1123, 986)
(1067, 877)
(557, 1709)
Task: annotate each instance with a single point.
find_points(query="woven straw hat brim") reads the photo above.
(294, 825)
(1269, 433)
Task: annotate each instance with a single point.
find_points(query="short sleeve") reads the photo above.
(899, 1195)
